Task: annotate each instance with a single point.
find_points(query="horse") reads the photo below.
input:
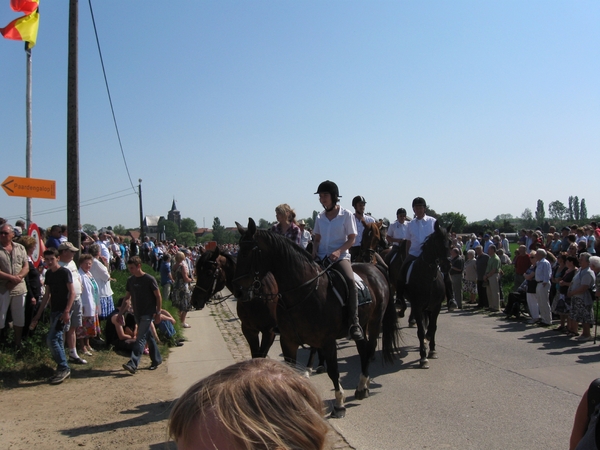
(371, 240)
(214, 271)
(425, 289)
(308, 310)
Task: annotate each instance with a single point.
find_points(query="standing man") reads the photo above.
(419, 229)
(397, 235)
(145, 297)
(543, 275)
(60, 293)
(358, 203)
(492, 276)
(304, 234)
(66, 253)
(481, 264)
(14, 267)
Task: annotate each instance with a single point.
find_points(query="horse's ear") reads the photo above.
(251, 226)
(240, 228)
(436, 227)
(449, 229)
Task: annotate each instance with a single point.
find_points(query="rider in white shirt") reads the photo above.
(358, 203)
(397, 235)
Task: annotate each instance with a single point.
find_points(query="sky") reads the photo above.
(231, 108)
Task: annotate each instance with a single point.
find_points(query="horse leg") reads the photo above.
(431, 329)
(290, 351)
(424, 362)
(364, 350)
(267, 339)
(251, 336)
(330, 354)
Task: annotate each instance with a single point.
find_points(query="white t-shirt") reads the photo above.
(76, 277)
(360, 228)
(398, 231)
(418, 230)
(334, 232)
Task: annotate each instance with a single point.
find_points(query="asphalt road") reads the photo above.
(497, 384)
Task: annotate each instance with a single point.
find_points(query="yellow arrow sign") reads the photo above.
(29, 187)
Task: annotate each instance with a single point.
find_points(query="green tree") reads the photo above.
(458, 221)
(264, 224)
(527, 218)
(88, 228)
(503, 217)
(207, 237)
(188, 226)
(120, 230)
(583, 210)
(540, 213)
(218, 231)
(310, 221)
(576, 212)
(186, 238)
(557, 210)
(170, 228)
(571, 210)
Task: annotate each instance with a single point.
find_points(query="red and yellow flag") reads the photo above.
(23, 29)
(25, 6)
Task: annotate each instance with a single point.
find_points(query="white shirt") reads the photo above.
(76, 277)
(360, 228)
(543, 271)
(103, 251)
(334, 233)
(398, 231)
(418, 230)
(88, 302)
(305, 238)
(102, 277)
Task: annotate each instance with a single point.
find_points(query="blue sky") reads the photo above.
(232, 108)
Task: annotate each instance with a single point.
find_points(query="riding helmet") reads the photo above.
(357, 199)
(419, 201)
(401, 211)
(331, 187)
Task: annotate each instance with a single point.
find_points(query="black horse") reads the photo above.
(308, 310)
(425, 289)
(214, 271)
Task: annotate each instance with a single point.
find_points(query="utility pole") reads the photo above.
(73, 218)
(141, 211)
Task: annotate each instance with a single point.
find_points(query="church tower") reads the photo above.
(174, 215)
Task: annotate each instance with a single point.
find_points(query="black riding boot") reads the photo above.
(356, 333)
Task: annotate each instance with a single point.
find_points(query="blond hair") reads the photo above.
(287, 211)
(262, 403)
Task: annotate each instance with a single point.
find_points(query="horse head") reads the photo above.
(248, 272)
(210, 277)
(371, 239)
(437, 245)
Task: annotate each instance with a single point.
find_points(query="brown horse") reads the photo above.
(215, 270)
(371, 240)
(308, 310)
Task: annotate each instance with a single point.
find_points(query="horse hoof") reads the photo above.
(320, 369)
(424, 364)
(338, 413)
(361, 395)
(432, 355)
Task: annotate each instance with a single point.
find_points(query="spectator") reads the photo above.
(166, 278)
(90, 299)
(529, 276)
(543, 276)
(147, 304)
(304, 234)
(221, 410)
(457, 265)
(522, 262)
(556, 244)
(492, 275)
(470, 280)
(472, 243)
(563, 279)
(591, 241)
(121, 335)
(100, 273)
(481, 262)
(33, 283)
(181, 289)
(14, 267)
(60, 293)
(54, 236)
(581, 297)
(505, 244)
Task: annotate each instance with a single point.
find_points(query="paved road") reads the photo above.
(497, 385)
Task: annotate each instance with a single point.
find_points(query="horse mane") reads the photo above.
(295, 257)
(431, 242)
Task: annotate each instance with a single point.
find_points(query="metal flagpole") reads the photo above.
(29, 133)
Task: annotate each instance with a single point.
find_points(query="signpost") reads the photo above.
(29, 187)
(36, 256)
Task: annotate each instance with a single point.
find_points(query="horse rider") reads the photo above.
(418, 230)
(358, 203)
(397, 235)
(333, 235)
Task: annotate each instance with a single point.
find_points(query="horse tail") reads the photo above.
(391, 332)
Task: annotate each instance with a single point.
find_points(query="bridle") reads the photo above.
(215, 285)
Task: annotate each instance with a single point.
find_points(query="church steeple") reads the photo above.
(174, 215)
(174, 207)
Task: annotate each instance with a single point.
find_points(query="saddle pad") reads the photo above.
(364, 295)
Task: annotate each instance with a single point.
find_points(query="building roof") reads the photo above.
(174, 207)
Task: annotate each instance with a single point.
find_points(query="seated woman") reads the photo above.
(254, 404)
(121, 336)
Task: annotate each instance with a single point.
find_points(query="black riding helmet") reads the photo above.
(331, 187)
(419, 201)
(357, 199)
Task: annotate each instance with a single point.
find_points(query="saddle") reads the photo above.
(340, 289)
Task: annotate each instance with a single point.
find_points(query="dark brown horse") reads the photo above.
(308, 310)
(214, 271)
(371, 240)
(425, 289)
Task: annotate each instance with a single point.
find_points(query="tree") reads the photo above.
(458, 221)
(570, 211)
(218, 231)
(120, 230)
(583, 210)
(188, 226)
(557, 210)
(576, 208)
(264, 224)
(310, 222)
(527, 217)
(88, 228)
(540, 214)
(503, 217)
(169, 228)
(186, 238)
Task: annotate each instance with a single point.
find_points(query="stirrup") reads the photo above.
(356, 333)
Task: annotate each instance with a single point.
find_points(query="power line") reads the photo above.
(109, 96)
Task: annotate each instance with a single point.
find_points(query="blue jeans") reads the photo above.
(56, 342)
(144, 333)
